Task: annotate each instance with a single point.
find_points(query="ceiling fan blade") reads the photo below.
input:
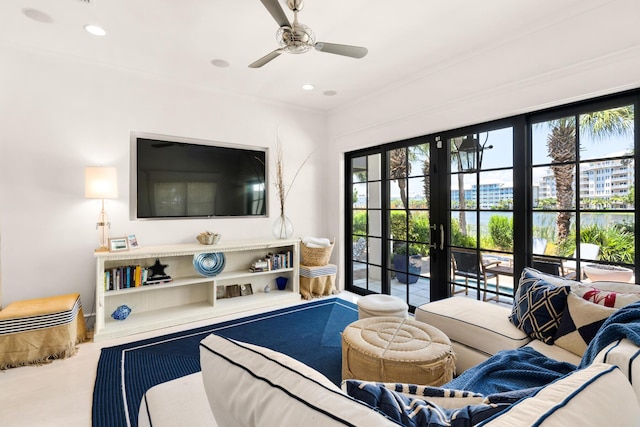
(268, 57)
(276, 11)
(342, 49)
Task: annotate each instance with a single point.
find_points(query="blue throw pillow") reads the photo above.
(538, 306)
(416, 412)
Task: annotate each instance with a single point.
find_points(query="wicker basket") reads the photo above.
(315, 257)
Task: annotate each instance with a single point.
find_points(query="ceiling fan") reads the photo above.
(298, 38)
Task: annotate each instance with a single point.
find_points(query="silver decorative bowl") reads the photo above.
(208, 238)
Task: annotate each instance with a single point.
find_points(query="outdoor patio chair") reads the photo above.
(465, 263)
(588, 251)
(539, 245)
(551, 266)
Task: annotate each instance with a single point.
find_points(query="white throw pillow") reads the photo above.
(251, 386)
(598, 395)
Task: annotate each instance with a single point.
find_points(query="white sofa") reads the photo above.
(245, 385)
(478, 330)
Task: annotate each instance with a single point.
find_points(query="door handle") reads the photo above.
(434, 228)
(441, 237)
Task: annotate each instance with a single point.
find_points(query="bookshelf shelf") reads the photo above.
(190, 296)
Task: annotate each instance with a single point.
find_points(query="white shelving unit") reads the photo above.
(190, 296)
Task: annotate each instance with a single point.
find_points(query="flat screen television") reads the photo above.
(186, 178)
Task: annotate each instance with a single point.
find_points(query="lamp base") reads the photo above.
(102, 250)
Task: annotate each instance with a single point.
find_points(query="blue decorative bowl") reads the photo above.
(209, 264)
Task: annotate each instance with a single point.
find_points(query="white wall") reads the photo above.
(59, 115)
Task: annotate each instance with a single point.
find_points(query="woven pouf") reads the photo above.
(390, 349)
(375, 305)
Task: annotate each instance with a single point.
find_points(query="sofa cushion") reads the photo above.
(412, 411)
(580, 322)
(626, 356)
(555, 352)
(249, 385)
(598, 395)
(476, 324)
(182, 401)
(538, 307)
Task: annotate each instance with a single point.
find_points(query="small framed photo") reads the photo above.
(118, 244)
(220, 292)
(232, 291)
(133, 241)
(246, 289)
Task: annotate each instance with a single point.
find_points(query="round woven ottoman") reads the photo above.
(375, 305)
(391, 349)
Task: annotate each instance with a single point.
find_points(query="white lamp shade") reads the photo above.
(100, 182)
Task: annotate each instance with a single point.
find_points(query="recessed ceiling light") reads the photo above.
(37, 15)
(307, 87)
(95, 30)
(329, 93)
(220, 63)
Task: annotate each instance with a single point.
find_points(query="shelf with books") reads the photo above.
(190, 296)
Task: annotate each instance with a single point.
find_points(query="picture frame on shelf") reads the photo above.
(118, 244)
(133, 241)
(220, 292)
(246, 289)
(232, 291)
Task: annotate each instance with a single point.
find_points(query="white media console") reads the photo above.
(191, 296)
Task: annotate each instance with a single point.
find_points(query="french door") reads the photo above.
(553, 190)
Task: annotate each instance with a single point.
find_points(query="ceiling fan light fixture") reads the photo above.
(296, 39)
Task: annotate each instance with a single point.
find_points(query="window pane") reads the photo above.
(606, 133)
(420, 161)
(607, 184)
(359, 195)
(374, 199)
(416, 191)
(360, 222)
(497, 233)
(359, 169)
(613, 233)
(498, 148)
(374, 167)
(375, 251)
(554, 141)
(467, 198)
(496, 190)
(463, 228)
(375, 223)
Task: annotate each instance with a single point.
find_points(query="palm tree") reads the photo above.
(561, 146)
(399, 169)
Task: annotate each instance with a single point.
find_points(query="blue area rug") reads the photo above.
(309, 332)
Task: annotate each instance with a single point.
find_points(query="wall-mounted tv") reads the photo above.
(186, 178)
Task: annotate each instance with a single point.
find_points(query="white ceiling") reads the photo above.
(421, 42)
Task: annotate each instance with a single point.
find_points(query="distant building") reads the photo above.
(602, 178)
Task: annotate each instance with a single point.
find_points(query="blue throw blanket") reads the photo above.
(624, 323)
(509, 370)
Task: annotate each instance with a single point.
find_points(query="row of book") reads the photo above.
(272, 262)
(131, 276)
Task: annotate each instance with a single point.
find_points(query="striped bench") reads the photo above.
(39, 330)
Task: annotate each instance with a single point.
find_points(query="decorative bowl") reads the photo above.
(209, 264)
(208, 238)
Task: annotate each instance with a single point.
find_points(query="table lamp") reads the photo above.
(101, 183)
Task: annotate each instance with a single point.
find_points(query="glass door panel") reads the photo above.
(481, 224)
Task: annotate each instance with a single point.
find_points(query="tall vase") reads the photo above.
(282, 227)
